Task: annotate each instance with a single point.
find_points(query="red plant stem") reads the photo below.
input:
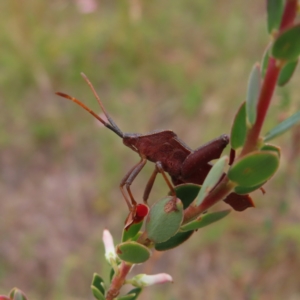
(264, 100)
(225, 186)
(220, 192)
(289, 14)
(269, 83)
(118, 281)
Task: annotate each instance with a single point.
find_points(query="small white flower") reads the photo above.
(110, 252)
(143, 280)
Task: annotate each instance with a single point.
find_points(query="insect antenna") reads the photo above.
(110, 120)
(111, 125)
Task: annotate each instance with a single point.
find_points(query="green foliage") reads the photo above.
(97, 294)
(287, 72)
(265, 61)
(239, 128)
(16, 294)
(205, 220)
(212, 179)
(282, 127)
(132, 231)
(133, 55)
(174, 241)
(164, 219)
(253, 94)
(254, 168)
(269, 147)
(133, 252)
(187, 193)
(274, 11)
(244, 190)
(131, 295)
(287, 45)
(98, 283)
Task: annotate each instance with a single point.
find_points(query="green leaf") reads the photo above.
(274, 10)
(131, 231)
(287, 45)
(265, 61)
(16, 294)
(174, 241)
(97, 294)
(164, 219)
(286, 73)
(133, 252)
(187, 193)
(239, 128)
(269, 147)
(212, 179)
(253, 93)
(205, 220)
(132, 295)
(111, 274)
(254, 168)
(242, 190)
(98, 283)
(282, 127)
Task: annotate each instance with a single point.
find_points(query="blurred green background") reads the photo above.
(180, 65)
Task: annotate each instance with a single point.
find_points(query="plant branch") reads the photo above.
(252, 139)
(118, 281)
(220, 192)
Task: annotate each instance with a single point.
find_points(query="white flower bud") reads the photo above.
(143, 280)
(110, 252)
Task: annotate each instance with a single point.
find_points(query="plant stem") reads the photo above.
(252, 139)
(269, 83)
(220, 192)
(118, 281)
(264, 100)
(289, 14)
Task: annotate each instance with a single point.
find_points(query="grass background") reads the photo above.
(180, 65)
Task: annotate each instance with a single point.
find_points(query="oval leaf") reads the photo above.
(132, 295)
(187, 193)
(212, 179)
(274, 10)
(287, 45)
(253, 93)
(135, 293)
(286, 73)
(254, 168)
(269, 147)
(205, 220)
(97, 294)
(242, 190)
(133, 252)
(98, 283)
(131, 231)
(164, 219)
(174, 241)
(282, 127)
(239, 128)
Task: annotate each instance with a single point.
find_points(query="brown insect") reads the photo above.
(170, 155)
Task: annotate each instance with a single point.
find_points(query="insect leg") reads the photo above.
(128, 179)
(158, 169)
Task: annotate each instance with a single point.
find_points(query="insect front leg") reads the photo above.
(127, 181)
(196, 166)
(158, 169)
